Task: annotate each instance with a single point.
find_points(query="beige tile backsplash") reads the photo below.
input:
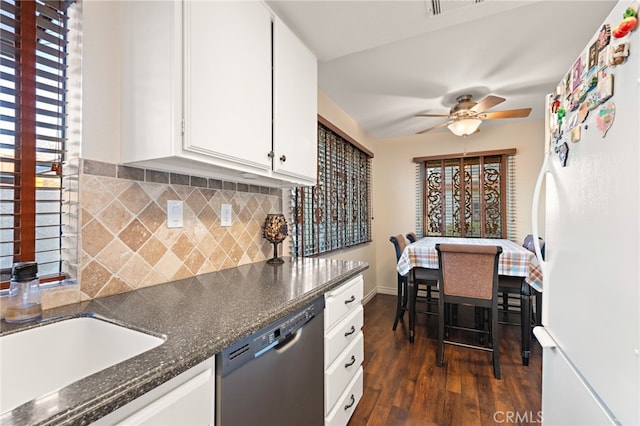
(125, 243)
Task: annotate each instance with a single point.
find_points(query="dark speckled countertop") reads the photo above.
(200, 316)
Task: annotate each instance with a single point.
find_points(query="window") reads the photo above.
(33, 99)
(334, 214)
(466, 196)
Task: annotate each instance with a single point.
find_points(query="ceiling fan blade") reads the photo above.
(432, 115)
(510, 113)
(488, 102)
(437, 126)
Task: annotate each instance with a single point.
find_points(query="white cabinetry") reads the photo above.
(227, 66)
(219, 89)
(295, 103)
(343, 351)
(185, 399)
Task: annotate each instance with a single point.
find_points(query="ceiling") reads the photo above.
(383, 61)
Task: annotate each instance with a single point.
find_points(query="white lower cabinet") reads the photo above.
(347, 403)
(187, 399)
(344, 351)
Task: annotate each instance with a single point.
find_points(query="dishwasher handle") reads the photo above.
(293, 338)
(289, 341)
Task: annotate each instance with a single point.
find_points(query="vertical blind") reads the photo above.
(32, 131)
(335, 213)
(465, 197)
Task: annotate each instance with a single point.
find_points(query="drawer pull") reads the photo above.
(349, 333)
(349, 364)
(353, 299)
(350, 404)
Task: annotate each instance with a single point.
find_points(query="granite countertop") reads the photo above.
(200, 316)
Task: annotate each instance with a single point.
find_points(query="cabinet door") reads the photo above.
(295, 137)
(188, 404)
(227, 68)
(151, 79)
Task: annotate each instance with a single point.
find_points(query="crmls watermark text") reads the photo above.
(517, 417)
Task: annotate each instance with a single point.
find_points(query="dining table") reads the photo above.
(515, 261)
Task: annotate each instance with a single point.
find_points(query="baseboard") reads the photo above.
(381, 290)
(388, 290)
(369, 296)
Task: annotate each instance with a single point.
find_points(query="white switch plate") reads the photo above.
(225, 215)
(174, 213)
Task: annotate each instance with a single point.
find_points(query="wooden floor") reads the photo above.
(404, 386)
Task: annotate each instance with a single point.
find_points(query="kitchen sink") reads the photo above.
(41, 360)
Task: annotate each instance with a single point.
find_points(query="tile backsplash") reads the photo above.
(125, 243)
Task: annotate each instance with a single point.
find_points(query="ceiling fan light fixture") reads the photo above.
(465, 126)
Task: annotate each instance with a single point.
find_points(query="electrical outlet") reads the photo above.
(175, 210)
(225, 215)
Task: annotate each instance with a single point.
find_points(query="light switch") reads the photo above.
(225, 215)
(174, 213)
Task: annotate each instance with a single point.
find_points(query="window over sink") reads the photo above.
(40, 45)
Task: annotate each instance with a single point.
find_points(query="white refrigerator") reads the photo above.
(591, 175)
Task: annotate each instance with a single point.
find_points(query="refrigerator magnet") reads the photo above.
(604, 36)
(583, 112)
(593, 56)
(576, 74)
(563, 154)
(603, 58)
(618, 54)
(575, 134)
(605, 116)
(605, 88)
(625, 26)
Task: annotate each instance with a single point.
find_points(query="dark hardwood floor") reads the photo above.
(404, 386)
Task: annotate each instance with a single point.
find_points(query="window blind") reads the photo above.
(335, 213)
(32, 131)
(466, 196)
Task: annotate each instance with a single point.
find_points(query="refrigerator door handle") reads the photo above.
(544, 338)
(536, 191)
(534, 212)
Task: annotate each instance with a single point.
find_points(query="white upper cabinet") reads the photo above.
(228, 81)
(219, 89)
(150, 79)
(295, 76)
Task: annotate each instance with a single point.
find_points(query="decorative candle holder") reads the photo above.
(275, 230)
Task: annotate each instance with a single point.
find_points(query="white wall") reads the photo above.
(395, 181)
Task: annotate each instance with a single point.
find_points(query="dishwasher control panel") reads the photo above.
(269, 337)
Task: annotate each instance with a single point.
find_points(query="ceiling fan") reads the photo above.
(465, 117)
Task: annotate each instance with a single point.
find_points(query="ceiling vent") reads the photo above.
(435, 7)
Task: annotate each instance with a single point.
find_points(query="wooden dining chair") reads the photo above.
(425, 281)
(509, 287)
(412, 237)
(469, 275)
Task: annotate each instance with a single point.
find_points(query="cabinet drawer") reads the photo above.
(343, 333)
(343, 369)
(341, 300)
(347, 402)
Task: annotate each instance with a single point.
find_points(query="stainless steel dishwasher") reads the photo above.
(275, 376)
